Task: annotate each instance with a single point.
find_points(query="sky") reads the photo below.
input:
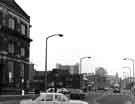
(101, 29)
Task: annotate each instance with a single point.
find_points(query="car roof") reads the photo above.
(43, 94)
(51, 93)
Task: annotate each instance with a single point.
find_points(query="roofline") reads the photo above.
(19, 14)
(28, 17)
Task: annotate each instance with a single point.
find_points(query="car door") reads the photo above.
(65, 100)
(57, 99)
(60, 99)
(48, 99)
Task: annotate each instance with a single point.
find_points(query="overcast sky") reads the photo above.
(102, 29)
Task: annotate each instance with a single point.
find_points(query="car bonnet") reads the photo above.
(77, 102)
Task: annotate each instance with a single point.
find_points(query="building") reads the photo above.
(14, 47)
(38, 80)
(62, 78)
(73, 69)
(56, 78)
(93, 81)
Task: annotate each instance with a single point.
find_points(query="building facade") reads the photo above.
(63, 79)
(14, 46)
(73, 69)
(55, 79)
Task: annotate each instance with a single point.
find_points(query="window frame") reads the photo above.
(11, 48)
(22, 52)
(11, 23)
(23, 29)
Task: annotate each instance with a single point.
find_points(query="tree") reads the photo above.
(100, 81)
(100, 71)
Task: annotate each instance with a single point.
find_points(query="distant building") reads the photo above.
(56, 78)
(113, 79)
(73, 69)
(98, 82)
(14, 47)
(38, 80)
(62, 78)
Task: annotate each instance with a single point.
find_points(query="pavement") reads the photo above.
(16, 99)
(110, 98)
(115, 99)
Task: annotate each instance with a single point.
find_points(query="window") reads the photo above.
(49, 97)
(28, 30)
(11, 23)
(4, 22)
(22, 70)
(58, 97)
(22, 51)
(43, 99)
(23, 29)
(64, 98)
(11, 48)
(1, 14)
(61, 98)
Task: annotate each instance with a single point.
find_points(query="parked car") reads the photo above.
(77, 94)
(55, 98)
(51, 90)
(58, 90)
(116, 90)
(101, 89)
(64, 91)
(106, 88)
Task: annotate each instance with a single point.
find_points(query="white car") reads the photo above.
(62, 90)
(55, 98)
(51, 90)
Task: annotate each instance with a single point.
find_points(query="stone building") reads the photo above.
(14, 47)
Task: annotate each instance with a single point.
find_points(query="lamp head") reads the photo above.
(89, 57)
(125, 59)
(60, 35)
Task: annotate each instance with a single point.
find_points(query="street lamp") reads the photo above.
(81, 68)
(60, 35)
(125, 79)
(124, 75)
(133, 61)
(126, 67)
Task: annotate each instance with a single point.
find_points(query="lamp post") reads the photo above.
(133, 61)
(45, 82)
(124, 75)
(81, 69)
(125, 79)
(126, 67)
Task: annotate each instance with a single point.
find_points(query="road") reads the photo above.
(110, 98)
(92, 96)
